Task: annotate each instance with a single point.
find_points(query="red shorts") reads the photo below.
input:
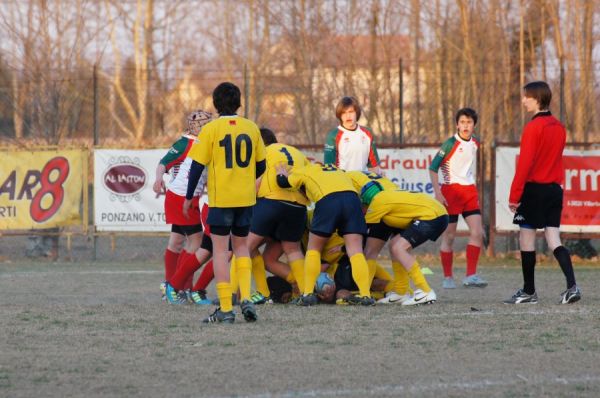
(174, 210)
(460, 198)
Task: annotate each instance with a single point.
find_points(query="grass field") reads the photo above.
(101, 330)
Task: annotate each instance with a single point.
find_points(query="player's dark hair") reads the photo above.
(345, 103)
(227, 98)
(540, 91)
(268, 136)
(468, 112)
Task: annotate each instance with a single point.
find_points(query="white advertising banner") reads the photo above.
(581, 202)
(124, 199)
(123, 195)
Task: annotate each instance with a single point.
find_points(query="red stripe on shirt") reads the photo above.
(181, 157)
(338, 138)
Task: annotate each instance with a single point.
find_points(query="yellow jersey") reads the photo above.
(362, 178)
(281, 154)
(230, 147)
(399, 209)
(320, 181)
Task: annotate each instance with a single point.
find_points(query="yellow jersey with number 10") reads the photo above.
(229, 147)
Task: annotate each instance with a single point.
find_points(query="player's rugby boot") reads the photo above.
(448, 283)
(358, 300)
(393, 298)
(199, 298)
(474, 281)
(571, 295)
(258, 299)
(520, 297)
(220, 317)
(248, 311)
(420, 297)
(307, 300)
(173, 296)
(163, 290)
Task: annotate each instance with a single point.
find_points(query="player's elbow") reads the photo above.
(283, 181)
(260, 168)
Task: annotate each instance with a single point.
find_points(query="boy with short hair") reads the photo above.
(536, 196)
(234, 153)
(459, 194)
(350, 146)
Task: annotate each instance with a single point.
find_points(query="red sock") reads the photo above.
(472, 258)
(183, 258)
(447, 263)
(186, 270)
(207, 275)
(171, 258)
(189, 282)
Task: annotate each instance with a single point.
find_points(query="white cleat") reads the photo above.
(420, 297)
(393, 298)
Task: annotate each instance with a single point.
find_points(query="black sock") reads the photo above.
(528, 265)
(564, 260)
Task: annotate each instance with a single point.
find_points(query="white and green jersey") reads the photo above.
(455, 159)
(351, 150)
(177, 164)
(179, 184)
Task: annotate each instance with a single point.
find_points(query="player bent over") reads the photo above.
(183, 229)
(279, 213)
(411, 219)
(232, 150)
(459, 194)
(337, 207)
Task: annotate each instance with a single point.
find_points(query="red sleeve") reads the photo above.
(527, 153)
(373, 155)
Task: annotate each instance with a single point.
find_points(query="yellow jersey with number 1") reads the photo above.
(278, 154)
(230, 147)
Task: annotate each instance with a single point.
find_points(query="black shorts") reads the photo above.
(223, 220)
(207, 243)
(343, 276)
(420, 231)
(279, 220)
(341, 211)
(541, 206)
(382, 231)
(186, 229)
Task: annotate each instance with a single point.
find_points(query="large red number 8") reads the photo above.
(53, 188)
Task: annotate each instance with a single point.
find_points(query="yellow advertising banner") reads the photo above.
(41, 189)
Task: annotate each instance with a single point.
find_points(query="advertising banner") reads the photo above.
(124, 200)
(581, 202)
(123, 195)
(41, 189)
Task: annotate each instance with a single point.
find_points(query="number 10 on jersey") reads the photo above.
(242, 140)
